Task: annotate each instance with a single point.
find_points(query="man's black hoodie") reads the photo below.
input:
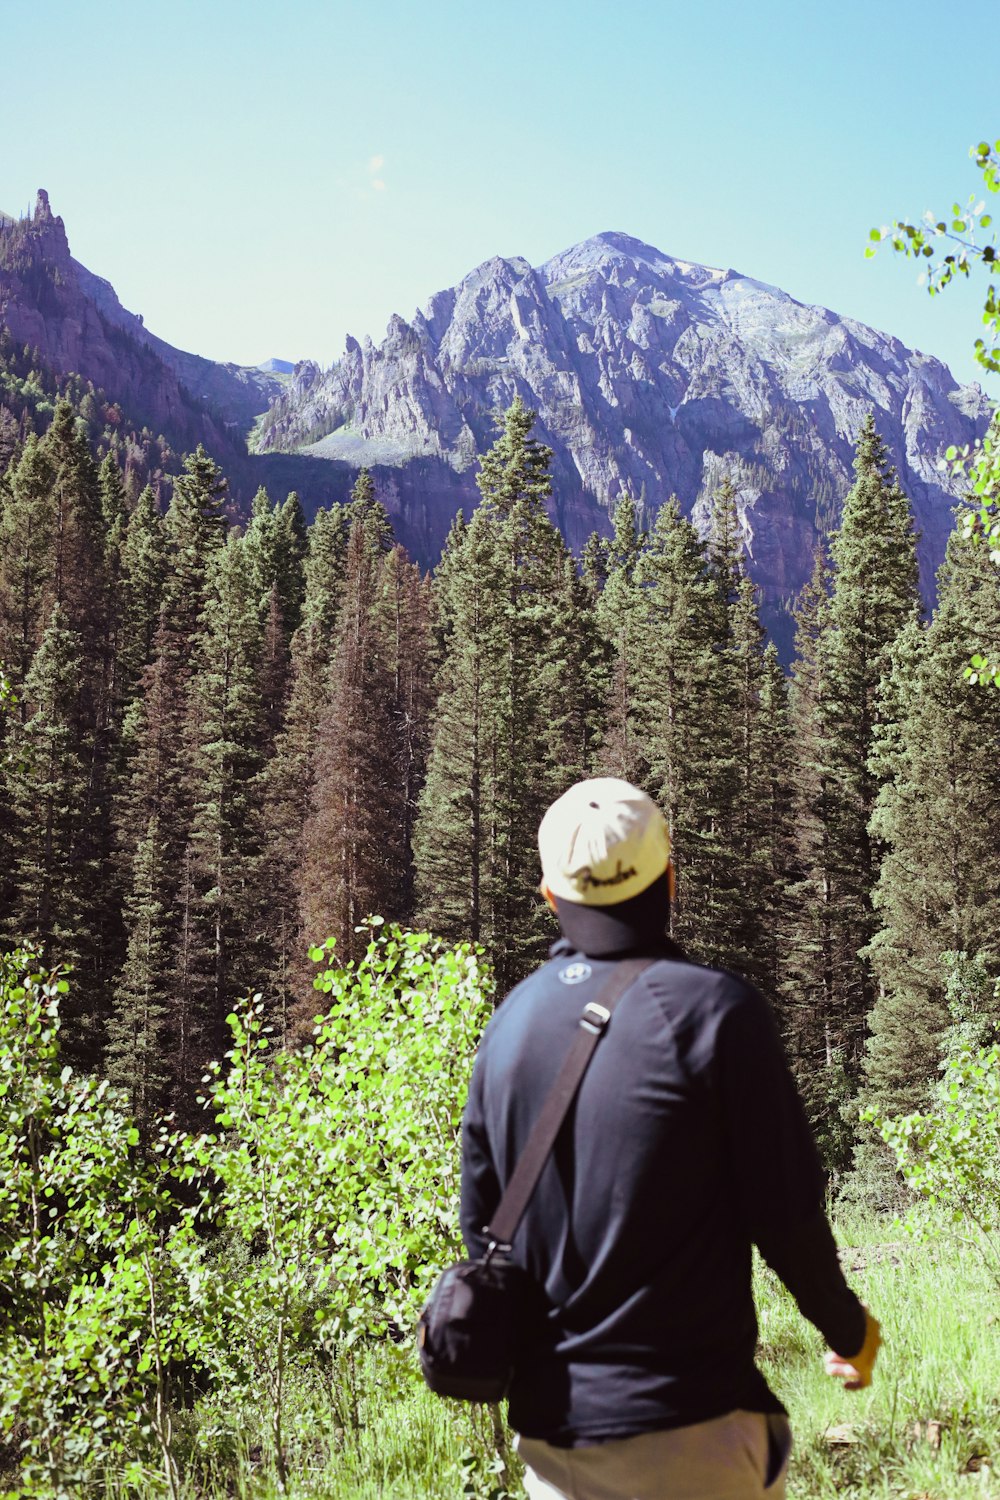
(687, 1144)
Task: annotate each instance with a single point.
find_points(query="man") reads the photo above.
(687, 1144)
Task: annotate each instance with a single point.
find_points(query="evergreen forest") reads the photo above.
(225, 743)
(246, 762)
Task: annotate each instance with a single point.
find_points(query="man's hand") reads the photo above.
(856, 1372)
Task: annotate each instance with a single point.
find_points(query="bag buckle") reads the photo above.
(494, 1247)
(595, 1017)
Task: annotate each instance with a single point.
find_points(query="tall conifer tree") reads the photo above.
(143, 578)
(139, 1056)
(274, 551)
(156, 801)
(500, 722)
(56, 881)
(809, 1003)
(196, 528)
(289, 776)
(353, 849)
(678, 718)
(938, 891)
(78, 581)
(873, 595)
(761, 828)
(225, 733)
(620, 615)
(404, 621)
(152, 819)
(579, 681)
(455, 868)
(26, 546)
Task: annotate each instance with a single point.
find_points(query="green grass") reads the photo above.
(928, 1429)
(930, 1423)
(395, 1440)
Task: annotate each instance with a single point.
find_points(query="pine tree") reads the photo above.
(874, 595)
(26, 537)
(73, 598)
(403, 618)
(455, 871)
(274, 670)
(225, 734)
(367, 507)
(726, 810)
(528, 771)
(579, 683)
(938, 891)
(161, 779)
(114, 515)
(353, 852)
(594, 564)
(260, 545)
(840, 712)
(697, 717)
(138, 1049)
(620, 617)
(500, 722)
(291, 549)
(274, 557)
(731, 816)
(114, 507)
(323, 571)
(55, 879)
(685, 717)
(725, 546)
(810, 996)
(514, 473)
(143, 579)
(78, 581)
(196, 529)
(152, 819)
(289, 776)
(774, 846)
(761, 832)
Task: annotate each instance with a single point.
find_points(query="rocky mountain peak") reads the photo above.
(621, 259)
(41, 239)
(650, 375)
(51, 302)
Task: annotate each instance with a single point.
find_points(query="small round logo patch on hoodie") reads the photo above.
(575, 973)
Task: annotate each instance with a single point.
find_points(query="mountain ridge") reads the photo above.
(51, 302)
(650, 375)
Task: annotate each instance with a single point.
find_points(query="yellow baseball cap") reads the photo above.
(602, 842)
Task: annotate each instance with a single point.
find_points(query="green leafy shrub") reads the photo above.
(245, 1258)
(339, 1162)
(106, 1294)
(950, 1155)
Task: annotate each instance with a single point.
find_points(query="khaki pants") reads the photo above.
(741, 1456)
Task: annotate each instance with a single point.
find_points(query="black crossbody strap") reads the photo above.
(596, 1014)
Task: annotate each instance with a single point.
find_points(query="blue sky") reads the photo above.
(261, 179)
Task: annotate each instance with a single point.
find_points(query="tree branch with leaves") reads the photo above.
(950, 247)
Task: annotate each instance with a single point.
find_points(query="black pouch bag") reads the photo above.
(480, 1318)
(483, 1315)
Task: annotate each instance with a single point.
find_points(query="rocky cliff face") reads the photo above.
(649, 375)
(51, 302)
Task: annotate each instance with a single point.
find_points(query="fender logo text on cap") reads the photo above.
(585, 878)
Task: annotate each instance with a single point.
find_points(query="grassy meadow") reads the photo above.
(230, 1314)
(929, 1426)
(927, 1429)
